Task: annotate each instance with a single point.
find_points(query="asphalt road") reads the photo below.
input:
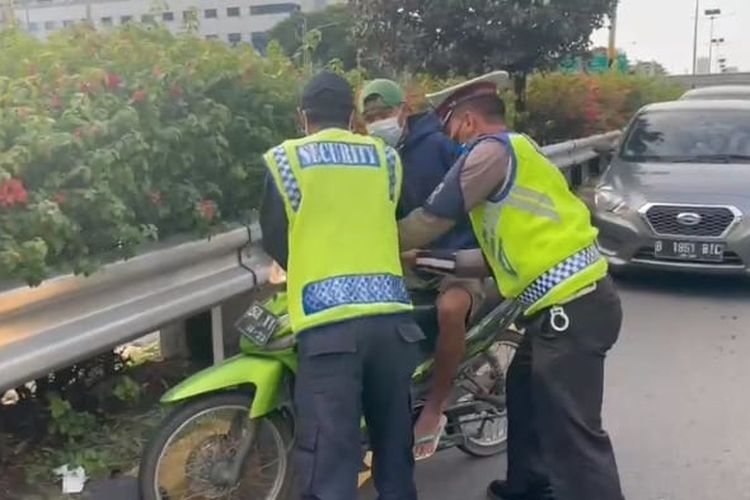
(677, 402)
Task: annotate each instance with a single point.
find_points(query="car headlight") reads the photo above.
(607, 200)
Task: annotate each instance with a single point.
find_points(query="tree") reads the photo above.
(474, 36)
(333, 42)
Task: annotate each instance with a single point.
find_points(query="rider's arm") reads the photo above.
(274, 224)
(464, 187)
(463, 263)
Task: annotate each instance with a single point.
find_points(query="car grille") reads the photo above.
(730, 258)
(714, 220)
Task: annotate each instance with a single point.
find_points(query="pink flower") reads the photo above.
(208, 209)
(140, 96)
(12, 192)
(113, 81)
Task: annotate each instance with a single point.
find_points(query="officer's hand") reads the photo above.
(409, 259)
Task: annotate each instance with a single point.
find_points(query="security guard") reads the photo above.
(537, 238)
(329, 218)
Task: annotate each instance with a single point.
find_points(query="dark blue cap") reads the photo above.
(328, 91)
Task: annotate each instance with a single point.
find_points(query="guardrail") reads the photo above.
(697, 81)
(71, 318)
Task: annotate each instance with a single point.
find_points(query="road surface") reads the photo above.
(677, 402)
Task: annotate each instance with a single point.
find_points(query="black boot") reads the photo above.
(499, 490)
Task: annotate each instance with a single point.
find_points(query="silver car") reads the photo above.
(677, 192)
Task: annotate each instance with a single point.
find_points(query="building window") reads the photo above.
(260, 41)
(210, 14)
(234, 38)
(147, 19)
(187, 15)
(106, 21)
(33, 27)
(167, 17)
(212, 37)
(126, 19)
(274, 8)
(233, 12)
(50, 25)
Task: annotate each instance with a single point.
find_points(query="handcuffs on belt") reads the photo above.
(558, 319)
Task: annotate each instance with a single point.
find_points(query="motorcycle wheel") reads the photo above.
(491, 436)
(180, 460)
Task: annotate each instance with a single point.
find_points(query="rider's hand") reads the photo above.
(409, 259)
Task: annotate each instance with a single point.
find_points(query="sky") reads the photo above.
(662, 31)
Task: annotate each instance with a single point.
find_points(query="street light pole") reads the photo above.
(712, 14)
(717, 42)
(612, 49)
(695, 37)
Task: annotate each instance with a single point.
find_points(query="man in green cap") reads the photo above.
(537, 238)
(427, 154)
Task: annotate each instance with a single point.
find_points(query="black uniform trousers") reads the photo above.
(554, 389)
(347, 369)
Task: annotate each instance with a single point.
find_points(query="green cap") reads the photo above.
(389, 91)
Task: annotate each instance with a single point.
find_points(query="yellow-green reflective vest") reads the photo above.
(340, 191)
(535, 233)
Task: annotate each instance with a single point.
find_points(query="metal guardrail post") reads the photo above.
(217, 334)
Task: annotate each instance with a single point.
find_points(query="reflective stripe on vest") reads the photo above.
(558, 274)
(288, 180)
(350, 290)
(391, 157)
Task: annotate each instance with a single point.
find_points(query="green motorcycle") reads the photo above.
(232, 430)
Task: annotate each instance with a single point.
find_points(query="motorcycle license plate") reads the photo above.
(258, 324)
(689, 250)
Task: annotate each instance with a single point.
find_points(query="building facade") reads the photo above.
(232, 21)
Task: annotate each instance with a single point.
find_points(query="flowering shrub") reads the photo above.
(110, 139)
(561, 107)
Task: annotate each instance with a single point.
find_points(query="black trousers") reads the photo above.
(554, 389)
(346, 370)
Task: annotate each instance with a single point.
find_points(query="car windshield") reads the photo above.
(689, 136)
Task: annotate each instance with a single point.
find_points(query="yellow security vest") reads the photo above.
(340, 191)
(535, 233)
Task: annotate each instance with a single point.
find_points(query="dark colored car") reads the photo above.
(677, 192)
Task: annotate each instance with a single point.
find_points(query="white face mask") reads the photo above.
(389, 130)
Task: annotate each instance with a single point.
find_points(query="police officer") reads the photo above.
(329, 218)
(537, 238)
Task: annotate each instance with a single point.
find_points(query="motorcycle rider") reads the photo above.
(427, 154)
(329, 218)
(537, 237)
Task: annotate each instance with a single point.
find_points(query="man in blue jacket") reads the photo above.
(427, 154)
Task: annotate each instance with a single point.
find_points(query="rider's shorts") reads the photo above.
(474, 287)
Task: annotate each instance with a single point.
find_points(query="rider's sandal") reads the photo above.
(433, 440)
